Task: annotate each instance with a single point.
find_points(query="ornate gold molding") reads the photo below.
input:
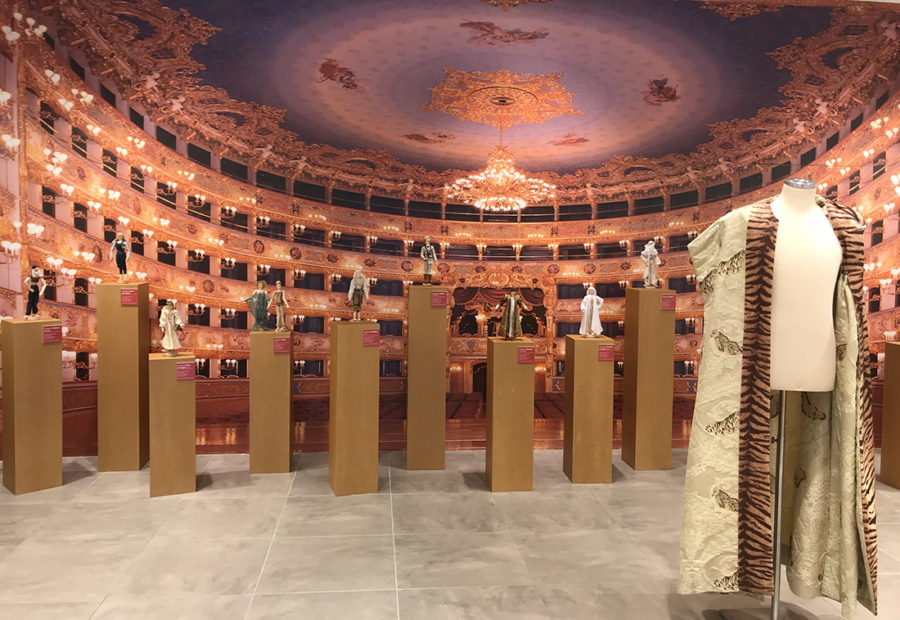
(152, 66)
(501, 99)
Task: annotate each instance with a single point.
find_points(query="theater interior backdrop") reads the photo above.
(298, 141)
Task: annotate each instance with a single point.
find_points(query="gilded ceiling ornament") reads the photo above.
(152, 66)
(501, 99)
(508, 4)
(736, 10)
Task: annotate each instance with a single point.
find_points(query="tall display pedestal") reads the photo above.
(587, 443)
(510, 415)
(890, 416)
(426, 403)
(173, 425)
(353, 408)
(271, 375)
(649, 363)
(32, 404)
(123, 397)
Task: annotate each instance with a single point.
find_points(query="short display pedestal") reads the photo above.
(509, 455)
(426, 402)
(890, 416)
(587, 444)
(123, 397)
(648, 385)
(271, 377)
(32, 404)
(173, 425)
(353, 408)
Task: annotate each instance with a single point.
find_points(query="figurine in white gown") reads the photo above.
(650, 256)
(170, 324)
(590, 314)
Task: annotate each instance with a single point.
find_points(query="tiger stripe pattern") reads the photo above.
(755, 545)
(755, 571)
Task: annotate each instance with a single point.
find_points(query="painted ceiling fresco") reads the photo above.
(647, 76)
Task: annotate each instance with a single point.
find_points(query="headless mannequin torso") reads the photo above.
(807, 261)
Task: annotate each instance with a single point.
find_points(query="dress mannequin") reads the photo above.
(807, 260)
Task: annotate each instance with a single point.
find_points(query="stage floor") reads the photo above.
(465, 413)
(431, 545)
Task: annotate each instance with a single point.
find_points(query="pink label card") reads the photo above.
(438, 299)
(52, 334)
(185, 371)
(667, 302)
(526, 355)
(281, 345)
(606, 353)
(371, 338)
(128, 297)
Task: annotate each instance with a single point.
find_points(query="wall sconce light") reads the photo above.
(299, 274)
(263, 270)
(11, 248)
(228, 263)
(197, 256)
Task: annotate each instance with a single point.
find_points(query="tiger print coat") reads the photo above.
(829, 492)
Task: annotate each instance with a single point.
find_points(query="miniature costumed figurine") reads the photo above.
(429, 255)
(358, 293)
(121, 249)
(281, 303)
(36, 285)
(170, 323)
(258, 303)
(590, 318)
(651, 261)
(511, 322)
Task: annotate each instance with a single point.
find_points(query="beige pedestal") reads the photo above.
(123, 405)
(587, 444)
(425, 393)
(353, 409)
(32, 404)
(173, 425)
(271, 376)
(648, 385)
(510, 415)
(890, 416)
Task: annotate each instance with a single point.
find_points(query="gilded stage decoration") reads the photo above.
(500, 187)
(501, 99)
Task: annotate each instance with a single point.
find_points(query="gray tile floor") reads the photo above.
(429, 545)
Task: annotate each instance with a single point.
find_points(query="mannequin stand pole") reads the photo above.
(779, 483)
(775, 613)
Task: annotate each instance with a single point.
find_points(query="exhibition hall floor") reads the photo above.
(430, 545)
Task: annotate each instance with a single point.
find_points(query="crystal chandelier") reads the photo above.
(500, 187)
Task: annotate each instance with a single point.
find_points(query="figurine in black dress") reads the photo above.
(35, 284)
(122, 251)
